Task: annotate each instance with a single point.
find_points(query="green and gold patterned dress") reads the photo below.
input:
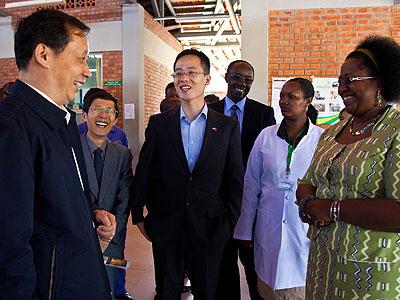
(347, 261)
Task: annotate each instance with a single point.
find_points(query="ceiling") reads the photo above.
(212, 26)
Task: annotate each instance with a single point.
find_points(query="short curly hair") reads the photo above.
(386, 53)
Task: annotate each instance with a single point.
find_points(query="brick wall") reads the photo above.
(88, 11)
(314, 42)
(8, 70)
(156, 77)
(112, 71)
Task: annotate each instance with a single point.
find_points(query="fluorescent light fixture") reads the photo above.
(32, 2)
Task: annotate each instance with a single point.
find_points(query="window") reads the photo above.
(94, 63)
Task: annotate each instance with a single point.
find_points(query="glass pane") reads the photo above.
(94, 63)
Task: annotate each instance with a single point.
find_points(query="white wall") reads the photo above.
(158, 50)
(133, 73)
(306, 4)
(105, 36)
(6, 38)
(255, 45)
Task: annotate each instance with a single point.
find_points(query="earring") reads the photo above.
(379, 98)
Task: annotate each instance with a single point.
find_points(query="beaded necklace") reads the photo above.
(365, 128)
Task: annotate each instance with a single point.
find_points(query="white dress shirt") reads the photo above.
(279, 237)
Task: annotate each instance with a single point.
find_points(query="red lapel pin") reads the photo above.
(215, 129)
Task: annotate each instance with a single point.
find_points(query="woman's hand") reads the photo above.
(317, 212)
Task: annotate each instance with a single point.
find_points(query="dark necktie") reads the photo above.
(98, 164)
(234, 112)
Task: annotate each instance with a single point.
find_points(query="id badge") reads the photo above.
(286, 182)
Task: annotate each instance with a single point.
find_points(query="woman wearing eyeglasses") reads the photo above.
(280, 156)
(351, 192)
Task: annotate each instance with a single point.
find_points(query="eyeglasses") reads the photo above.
(349, 80)
(190, 74)
(239, 77)
(109, 111)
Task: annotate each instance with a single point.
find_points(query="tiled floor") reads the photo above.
(140, 276)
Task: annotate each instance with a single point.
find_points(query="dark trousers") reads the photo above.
(170, 263)
(119, 274)
(229, 278)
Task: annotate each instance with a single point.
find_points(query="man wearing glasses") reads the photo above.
(109, 167)
(190, 177)
(253, 117)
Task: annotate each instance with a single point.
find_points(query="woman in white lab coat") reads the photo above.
(269, 218)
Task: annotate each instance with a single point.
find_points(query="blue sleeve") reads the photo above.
(124, 140)
(82, 128)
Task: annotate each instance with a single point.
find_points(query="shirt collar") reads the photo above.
(92, 146)
(229, 103)
(282, 131)
(203, 113)
(67, 116)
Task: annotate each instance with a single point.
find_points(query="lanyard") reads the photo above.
(291, 147)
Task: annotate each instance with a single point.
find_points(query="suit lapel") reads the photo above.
(93, 185)
(219, 106)
(211, 135)
(107, 176)
(247, 119)
(174, 130)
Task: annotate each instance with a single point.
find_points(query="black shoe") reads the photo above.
(124, 296)
(186, 289)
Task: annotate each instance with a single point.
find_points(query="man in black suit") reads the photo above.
(253, 117)
(190, 177)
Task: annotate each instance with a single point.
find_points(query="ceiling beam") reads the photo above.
(192, 18)
(161, 8)
(232, 15)
(194, 6)
(155, 8)
(219, 33)
(226, 45)
(205, 35)
(195, 13)
(218, 8)
(170, 7)
(32, 2)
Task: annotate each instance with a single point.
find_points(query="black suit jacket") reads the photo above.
(207, 200)
(47, 239)
(256, 117)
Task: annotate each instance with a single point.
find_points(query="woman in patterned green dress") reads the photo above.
(351, 192)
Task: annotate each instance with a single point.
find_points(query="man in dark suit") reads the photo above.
(49, 248)
(109, 167)
(190, 177)
(253, 117)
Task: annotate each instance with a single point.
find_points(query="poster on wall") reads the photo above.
(327, 100)
(277, 84)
